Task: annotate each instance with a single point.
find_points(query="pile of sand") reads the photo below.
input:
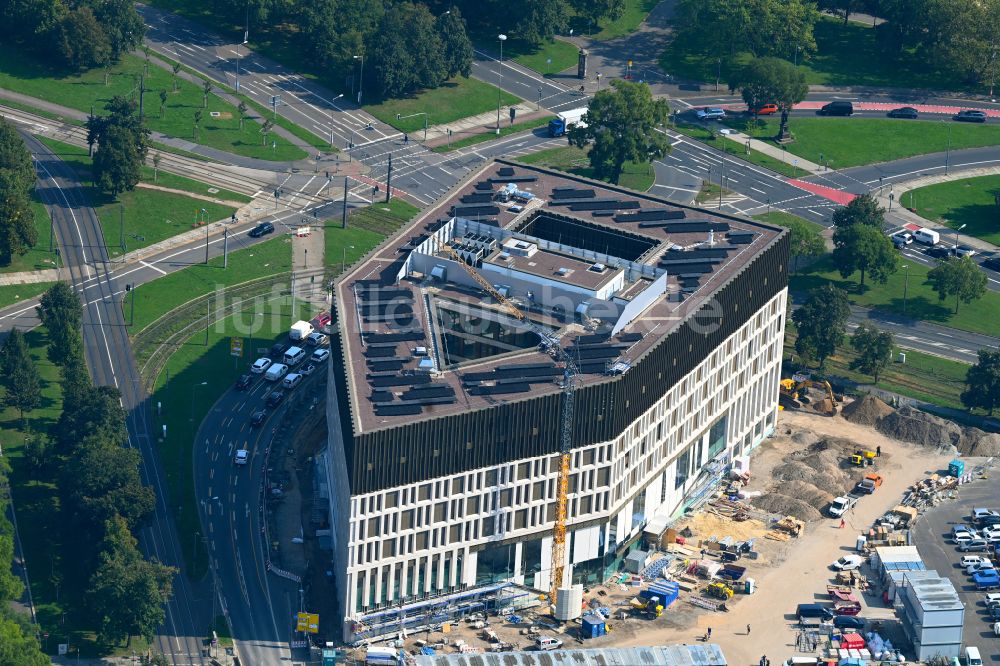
(912, 425)
(868, 411)
(809, 493)
(783, 505)
(976, 442)
(705, 525)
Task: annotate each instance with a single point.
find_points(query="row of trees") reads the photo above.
(122, 143)
(102, 497)
(17, 185)
(78, 34)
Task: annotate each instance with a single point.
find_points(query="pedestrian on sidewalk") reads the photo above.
(748, 630)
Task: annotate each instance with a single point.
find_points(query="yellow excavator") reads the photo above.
(792, 394)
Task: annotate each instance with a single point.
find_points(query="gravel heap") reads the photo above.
(976, 442)
(867, 411)
(912, 425)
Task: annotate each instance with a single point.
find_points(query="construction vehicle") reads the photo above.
(720, 591)
(790, 525)
(793, 394)
(651, 606)
(862, 458)
(570, 372)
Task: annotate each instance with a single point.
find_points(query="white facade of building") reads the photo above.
(427, 538)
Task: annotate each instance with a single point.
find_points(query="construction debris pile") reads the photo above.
(811, 477)
(908, 424)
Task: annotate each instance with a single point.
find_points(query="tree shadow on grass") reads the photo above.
(918, 307)
(981, 220)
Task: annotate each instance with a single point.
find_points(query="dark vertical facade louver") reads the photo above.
(456, 443)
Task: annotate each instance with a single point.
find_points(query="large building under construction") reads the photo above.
(449, 420)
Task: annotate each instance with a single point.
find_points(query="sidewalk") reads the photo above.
(29, 277)
(479, 124)
(773, 151)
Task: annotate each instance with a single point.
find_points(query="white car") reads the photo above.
(980, 566)
(963, 537)
(241, 457)
(260, 365)
(711, 113)
(969, 560)
(317, 339)
(991, 533)
(902, 238)
(319, 355)
(848, 563)
(996, 628)
(292, 380)
(991, 598)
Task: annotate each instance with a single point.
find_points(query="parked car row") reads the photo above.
(981, 535)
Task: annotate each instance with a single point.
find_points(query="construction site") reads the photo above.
(752, 549)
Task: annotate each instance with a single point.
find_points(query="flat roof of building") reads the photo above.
(709, 654)
(933, 591)
(687, 253)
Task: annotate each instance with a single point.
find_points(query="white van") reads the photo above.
(927, 236)
(276, 372)
(292, 380)
(972, 657)
(294, 356)
(549, 643)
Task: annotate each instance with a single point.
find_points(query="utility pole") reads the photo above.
(121, 227)
(502, 39)
(225, 248)
(206, 245)
(388, 180)
(208, 319)
(343, 222)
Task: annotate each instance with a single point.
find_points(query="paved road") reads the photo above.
(930, 536)
(109, 358)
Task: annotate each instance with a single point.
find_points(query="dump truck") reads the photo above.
(650, 606)
(565, 121)
(841, 505)
(862, 458)
(868, 484)
(719, 591)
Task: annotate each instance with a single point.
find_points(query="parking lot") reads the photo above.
(930, 536)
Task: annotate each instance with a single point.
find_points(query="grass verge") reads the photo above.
(972, 202)
(15, 293)
(173, 181)
(921, 303)
(847, 55)
(635, 13)
(178, 151)
(14, 104)
(730, 147)
(149, 215)
(457, 98)
(571, 159)
(932, 379)
(550, 57)
(847, 142)
(473, 139)
(21, 73)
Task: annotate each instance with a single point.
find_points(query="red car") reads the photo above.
(764, 110)
(847, 608)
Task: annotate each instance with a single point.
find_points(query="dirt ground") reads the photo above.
(804, 571)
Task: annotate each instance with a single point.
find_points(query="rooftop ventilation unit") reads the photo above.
(562, 271)
(597, 268)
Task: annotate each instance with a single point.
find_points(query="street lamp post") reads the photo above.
(502, 38)
(413, 115)
(193, 393)
(718, 74)
(947, 153)
(906, 283)
(238, 45)
(343, 257)
(361, 76)
(956, 238)
(331, 119)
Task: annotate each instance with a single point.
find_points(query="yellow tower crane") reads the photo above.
(552, 346)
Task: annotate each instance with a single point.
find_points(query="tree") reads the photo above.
(18, 644)
(156, 165)
(864, 248)
(24, 390)
(725, 28)
(982, 382)
(82, 43)
(197, 122)
(18, 233)
(406, 53)
(265, 129)
(95, 412)
(242, 109)
(126, 594)
(874, 349)
(175, 68)
(770, 81)
(334, 31)
(206, 88)
(10, 585)
(821, 322)
(61, 313)
(455, 44)
(862, 209)
(536, 20)
(959, 277)
(122, 25)
(13, 353)
(622, 124)
(118, 162)
(104, 482)
(163, 101)
(595, 10)
(805, 240)
(16, 158)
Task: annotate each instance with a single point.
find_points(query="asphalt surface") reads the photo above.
(109, 358)
(930, 536)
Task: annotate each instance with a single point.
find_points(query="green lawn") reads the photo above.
(846, 56)
(550, 57)
(505, 130)
(571, 159)
(635, 13)
(924, 377)
(14, 104)
(15, 293)
(458, 98)
(38, 257)
(921, 303)
(19, 72)
(971, 202)
(847, 142)
(150, 216)
(173, 181)
(379, 218)
(730, 147)
(783, 219)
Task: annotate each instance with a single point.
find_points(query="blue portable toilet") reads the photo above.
(956, 467)
(592, 626)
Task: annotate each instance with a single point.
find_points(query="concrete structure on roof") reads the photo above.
(931, 613)
(708, 654)
(445, 420)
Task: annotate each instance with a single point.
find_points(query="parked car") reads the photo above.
(711, 113)
(986, 580)
(277, 350)
(319, 355)
(992, 598)
(849, 623)
(764, 110)
(960, 528)
(982, 512)
(813, 611)
(994, 612)
(971, 545)
(258, 418)
(969, 560)
(970, 116)
(979, 566)
(245, 380)
(964, 537)
(242, 457)
(907, 112)
(308, 370)
(848, 563)
(992, 533)
(262, 229)
(260, 365)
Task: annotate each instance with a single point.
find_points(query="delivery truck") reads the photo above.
(565, 121)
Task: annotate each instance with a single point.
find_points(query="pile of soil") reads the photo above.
(912, 425)
(784, 505)
(868, 411)
(976, 442)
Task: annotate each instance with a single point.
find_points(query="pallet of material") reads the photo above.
(774, 535)
(703, 603)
